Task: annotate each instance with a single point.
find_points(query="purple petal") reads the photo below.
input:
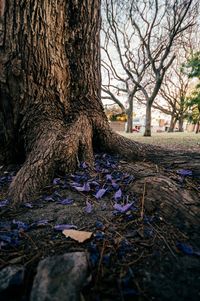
(28, 205)
(20, 225)
(108, 177)
(100, 193)
(118, 195)
(115, 185)
(84, 165)
(89, 207)
(64, 227)
(4, 203)
(187, 249)
(121, 208)
(184, 172)
(49, 198)
(67, 201)
(85, 187)
(56, 181)
(40, 223)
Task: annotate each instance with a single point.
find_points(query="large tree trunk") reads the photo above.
(147, 132)
(50, 106)
(50, 87)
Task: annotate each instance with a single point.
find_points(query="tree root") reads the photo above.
(53, 151)
(60, 149)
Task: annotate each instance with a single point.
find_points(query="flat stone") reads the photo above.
(60, 278)
(11, 276)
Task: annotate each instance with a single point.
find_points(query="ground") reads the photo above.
(176, 140)
(144, 245)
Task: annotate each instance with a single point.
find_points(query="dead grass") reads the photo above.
(183, 141)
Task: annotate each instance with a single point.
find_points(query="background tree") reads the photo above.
(154, 28)
(192, 68)
(123, 61)
(172, 97)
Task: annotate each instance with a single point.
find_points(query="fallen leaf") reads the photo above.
(79, 236)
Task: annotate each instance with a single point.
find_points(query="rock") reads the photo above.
(11, 276)
(60, 278)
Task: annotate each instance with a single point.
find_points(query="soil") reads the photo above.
(148, 250)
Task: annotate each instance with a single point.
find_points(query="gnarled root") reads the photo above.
(54, 150)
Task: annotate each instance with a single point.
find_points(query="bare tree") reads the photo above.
(147, 51)
(173, 97)
(119, 55)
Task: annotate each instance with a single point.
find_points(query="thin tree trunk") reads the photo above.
(197, 127)
(147, 132)
(172, 124)
(180, 124)
(130, 116)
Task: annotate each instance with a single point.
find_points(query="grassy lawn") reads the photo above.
(185, 141)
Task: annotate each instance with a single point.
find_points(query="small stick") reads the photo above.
(142, 201)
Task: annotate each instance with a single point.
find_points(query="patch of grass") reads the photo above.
(185, 141)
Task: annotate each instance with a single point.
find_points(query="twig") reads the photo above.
(142, 201)
(161, 236)
(101, 258)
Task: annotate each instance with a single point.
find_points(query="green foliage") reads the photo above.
(192, 67)
(194, 105)
(193, 70)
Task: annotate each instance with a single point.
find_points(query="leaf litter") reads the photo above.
(121, 244)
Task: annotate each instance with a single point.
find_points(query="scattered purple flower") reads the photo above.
(89, 207)
(41, 223)
(184, 172)
(115, 185)
(64, 227)
(56, 181)
(118, 195)
(108, 177)
(185, 248)
(84, 165)
(20, 225)
(100, 193)
(28, 205)
(84, 188)
(67, 201)
(4, 203)
(49, 198)
(122, 208)
(99, 225)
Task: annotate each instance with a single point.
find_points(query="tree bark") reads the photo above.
(147, 132)
(130, 116)
(50, 107)
(172, 124)
(197, 127)
(180, 124)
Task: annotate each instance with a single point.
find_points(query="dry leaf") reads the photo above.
(79, 236)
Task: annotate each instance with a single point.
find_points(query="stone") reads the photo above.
(60, 278)
(11, 276)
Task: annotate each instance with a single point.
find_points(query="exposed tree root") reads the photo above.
(62, 147)
(55, 150)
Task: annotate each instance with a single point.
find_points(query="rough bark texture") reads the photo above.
(172, 124)
(50, 106)
(147, 132)
(130, 117)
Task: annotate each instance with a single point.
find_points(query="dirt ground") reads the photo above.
(145, 221)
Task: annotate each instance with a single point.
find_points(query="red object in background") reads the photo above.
(135, 130)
